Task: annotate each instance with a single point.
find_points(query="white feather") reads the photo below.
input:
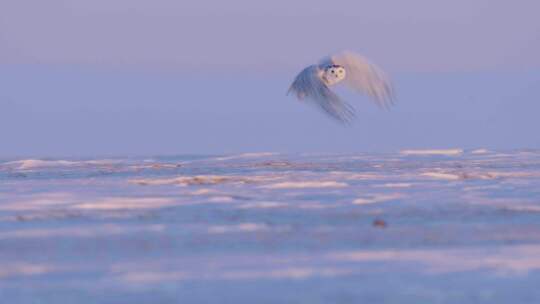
(309, 84)
(361, 76)
(365, 77)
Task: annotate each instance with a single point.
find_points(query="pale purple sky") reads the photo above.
(169, 77)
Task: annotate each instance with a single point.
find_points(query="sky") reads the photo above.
(131, 77)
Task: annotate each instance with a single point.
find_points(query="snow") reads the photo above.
(459, 227)
(377, 199)
(303, 185)
(30, 164)
(450, 152)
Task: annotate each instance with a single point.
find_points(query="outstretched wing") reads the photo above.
(308, 84)
(364, 77)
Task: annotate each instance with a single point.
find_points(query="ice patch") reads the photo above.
(373, 199)
(504, 261)
(314, 206)
(44, 201)
(151, 277)
(440, 175)
(201, 180)
(221, 199)
(247, 155)
(304, 185)
(355, 176)
(449, 152)
(126, 203)
(84, 232)
(23, 269)
(476, 175)
(203, 191)
(186, 180)
(480, 151)
(523, 208)
(243, 227)
(37, 163)
(514, 260)
(492, 175)
(158, 166)
(29, 164)
(262, 205)
(395, 185)
(279, 272)
(297, 273)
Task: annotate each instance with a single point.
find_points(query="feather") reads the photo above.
(365, 77)
(360, 75)
(308, 84)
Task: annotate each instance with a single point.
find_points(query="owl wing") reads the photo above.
(364, 77)
(308, 84)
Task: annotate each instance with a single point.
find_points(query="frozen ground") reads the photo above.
(435, 226)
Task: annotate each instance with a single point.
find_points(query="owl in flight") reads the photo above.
(355, 71)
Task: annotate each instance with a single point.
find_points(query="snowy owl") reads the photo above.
(355, 71)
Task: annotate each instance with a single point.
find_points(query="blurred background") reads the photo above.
(135, 77)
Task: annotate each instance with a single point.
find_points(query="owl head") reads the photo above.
(333, 74)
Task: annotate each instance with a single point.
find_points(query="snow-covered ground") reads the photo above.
(417, 226)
